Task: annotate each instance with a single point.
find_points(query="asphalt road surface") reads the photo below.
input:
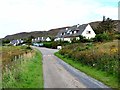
(58, 74)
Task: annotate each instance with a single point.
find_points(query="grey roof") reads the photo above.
(60, 32)
(16, 41)
(40, 39)
(80, 29)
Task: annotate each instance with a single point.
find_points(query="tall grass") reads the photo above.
(9, 53)
(100, 56)
(24, 72)
(0, 67)
(102, 76)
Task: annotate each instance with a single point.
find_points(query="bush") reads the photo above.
(54, 44)
(102, 37)
(103, 59)
(47, 44)
(117, 36)
(5, 41)
(26, 47)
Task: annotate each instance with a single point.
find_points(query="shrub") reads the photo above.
(74, 40)
(47, 44)
(99, 58)
(102, 37)
(117, 36)
(55, 44)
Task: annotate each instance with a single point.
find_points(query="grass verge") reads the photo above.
(29, 74)
(102, 76)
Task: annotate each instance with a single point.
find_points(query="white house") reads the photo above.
(48, 39)
(16, 42)
(59, 47)
(74, 32)
(88, 32)
(39, 39)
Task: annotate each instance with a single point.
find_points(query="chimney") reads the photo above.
(78, 25)
(66, 28)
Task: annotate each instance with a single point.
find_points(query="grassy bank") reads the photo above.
(109, 80)
(9, 53)
(26, 72)
(99, 60)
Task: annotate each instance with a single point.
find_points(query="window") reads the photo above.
(88, 32)
(75, 32)
(62, 33)
(70, 32)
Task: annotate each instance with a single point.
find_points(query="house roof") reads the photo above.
(60, 32)
(79, 28)
(40, 39)
(82, 28)
(16, 41)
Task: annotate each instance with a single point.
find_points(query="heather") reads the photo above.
(102, 56)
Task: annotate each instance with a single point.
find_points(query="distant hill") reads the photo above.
(52, 33)
(117, 23)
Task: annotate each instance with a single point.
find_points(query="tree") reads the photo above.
(52, 38)
(5, 41)
(82, 39)
(103, 18)
(102, 37)
(74, 40)
(107, 25)
(29, 40)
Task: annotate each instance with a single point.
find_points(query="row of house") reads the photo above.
(65, 34)
(75, 31)
(39, 39)
(16, 42)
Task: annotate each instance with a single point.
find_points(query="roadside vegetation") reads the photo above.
(97, 57)
(99, 60)
(54, 45)
(21, 67)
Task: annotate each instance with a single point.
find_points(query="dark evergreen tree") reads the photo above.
(29, 40)
(107, 25)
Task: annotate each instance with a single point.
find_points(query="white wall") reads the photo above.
(67, 39)
(48, 39)
(58, 39)
(59, 47)
(77, 38)
(91, 35)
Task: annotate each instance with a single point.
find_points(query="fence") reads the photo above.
(13, 69)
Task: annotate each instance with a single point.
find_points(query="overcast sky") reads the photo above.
(38, 15)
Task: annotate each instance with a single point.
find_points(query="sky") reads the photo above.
(42, 15)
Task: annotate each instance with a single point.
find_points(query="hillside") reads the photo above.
(23, 35)
(51, 33)
(95, 24)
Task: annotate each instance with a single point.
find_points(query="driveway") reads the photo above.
(58, 74)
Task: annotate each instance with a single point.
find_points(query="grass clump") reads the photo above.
(26, 73)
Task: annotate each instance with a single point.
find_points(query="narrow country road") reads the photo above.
(58, 74)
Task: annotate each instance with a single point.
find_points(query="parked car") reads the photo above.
(38, 44)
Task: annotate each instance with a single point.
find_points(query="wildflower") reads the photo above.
(93, 64)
